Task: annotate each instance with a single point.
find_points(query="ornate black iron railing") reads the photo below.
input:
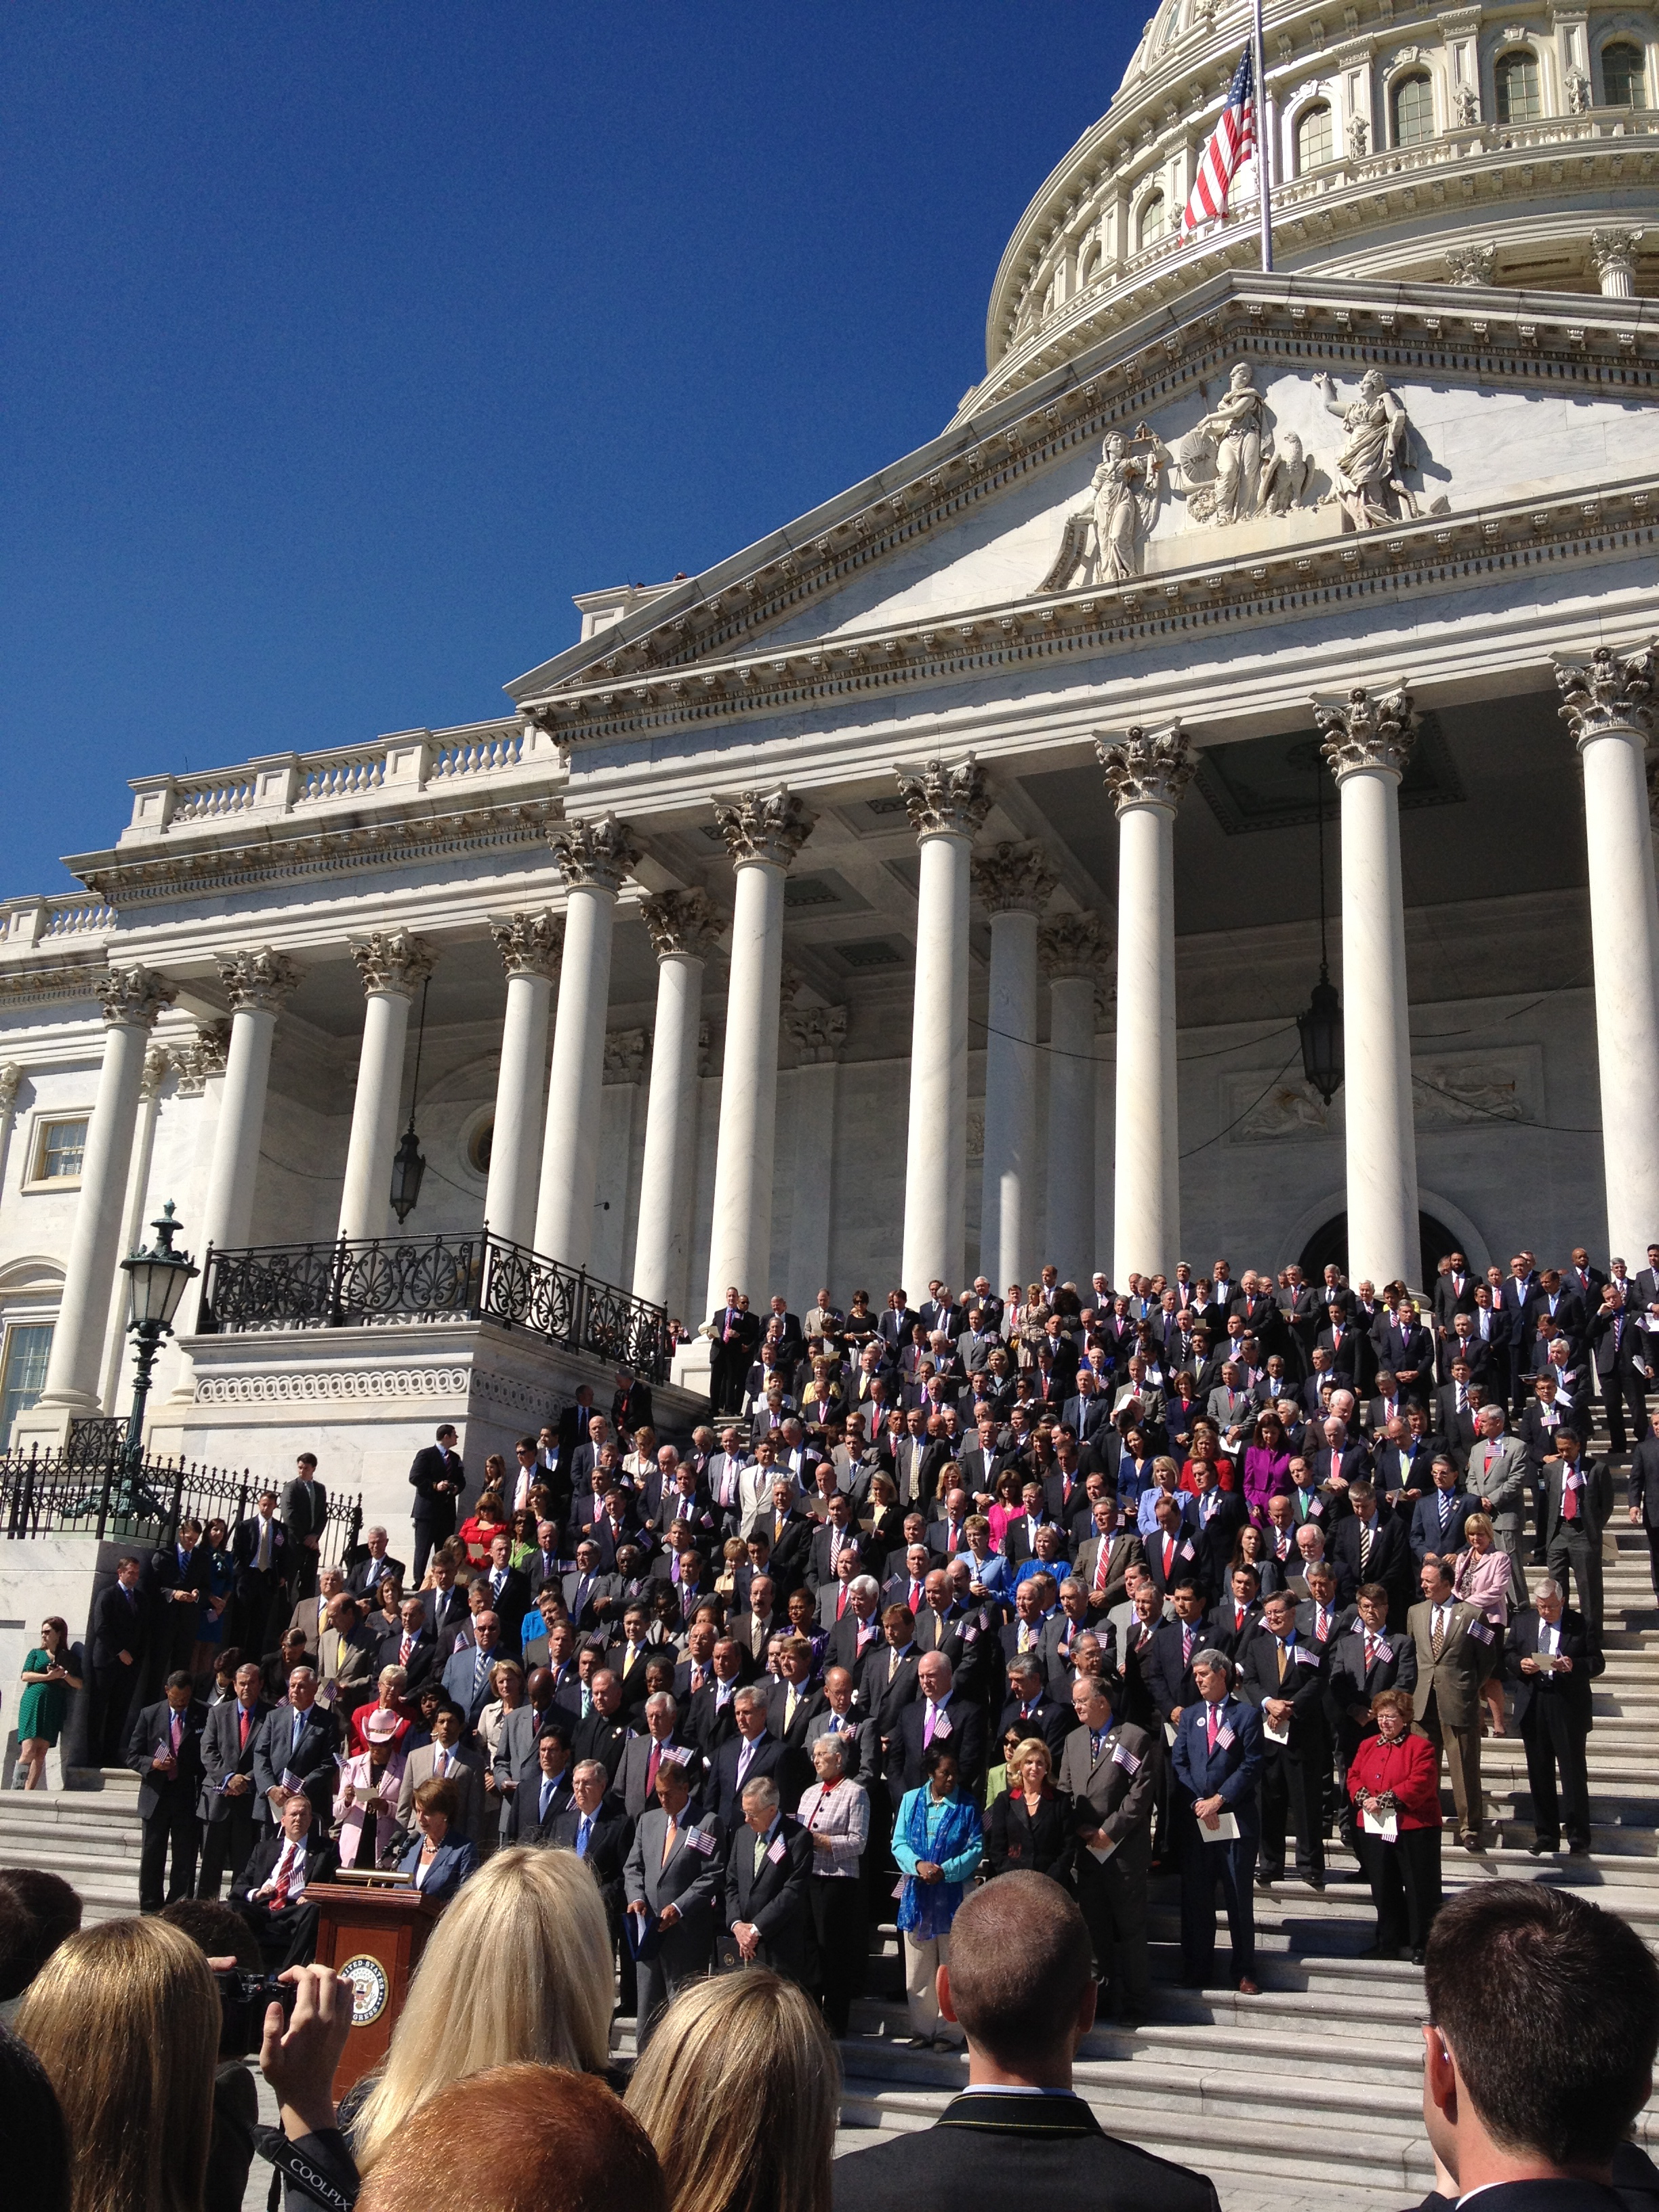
(88, 1490)
(368, 1282)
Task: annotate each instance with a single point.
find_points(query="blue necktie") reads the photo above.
(584, 1829)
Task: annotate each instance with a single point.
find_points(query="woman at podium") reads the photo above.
(442, 1861)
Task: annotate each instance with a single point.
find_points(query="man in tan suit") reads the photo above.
(1457, 1650)
(346, 1652)
(310, 1615)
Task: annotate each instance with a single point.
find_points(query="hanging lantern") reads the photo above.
(408, 1163)
(1321, 1039)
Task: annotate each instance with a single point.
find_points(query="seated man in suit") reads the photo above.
(1555, 2106)
(271, 1893)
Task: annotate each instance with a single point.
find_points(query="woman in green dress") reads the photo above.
(47, 1682)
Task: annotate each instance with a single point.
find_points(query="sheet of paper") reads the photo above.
(1274, 1735)
(1226, 1830)
(1387, 1829)
(1101, 1852)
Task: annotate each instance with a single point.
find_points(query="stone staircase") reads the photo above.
(1205, 2082)
(90, 1836)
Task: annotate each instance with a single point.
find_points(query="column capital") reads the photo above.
(1012, 878)
(624, 1055)
(261, 978)
(530, 944)
(1069, 948)
(683, 923)
(817, 1033)
(11, 1079)
(1607, 692)
(1363, 732)
(1147, 768)
(1612, 254)
(133, 997)
(206, 1055)
(159, 1064)
(395, 961)
(770, 826)
(1470, 265)
(944, 798)
(599, 853)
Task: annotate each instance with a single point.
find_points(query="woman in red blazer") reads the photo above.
(1394, 1780)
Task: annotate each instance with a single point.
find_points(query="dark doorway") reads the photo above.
(1330, 1242)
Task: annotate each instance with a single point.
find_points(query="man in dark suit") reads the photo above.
(1439, 1519)
(751, 1752)
(1577, 1507)
(1018, 1983)
(768, 1869)
(1111, 1770)
(601, 1733)
(733, 1334)
(294, 1750)
(410, 1645)
(1620, 1354)
(1029, 1708)
(1369, 1546)
(1551, 1659)
(259, 1554)
(1285, 1677)
(673, 1888)
(119, 1639)
(365, 1574)
(230, 1793)
(1167, 1657)
(270, 1895)
(543, 1787)
(180, 1574)
(165, 1751)
(466, 1675)
(440, 1482)
(1217, 1766)
(643, 1755)
(305, 1517)
(509, 1592)
(936, 1715)
(1644, 1494)
(1403, 1345)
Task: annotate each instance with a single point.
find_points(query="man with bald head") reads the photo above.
(1017, 1984)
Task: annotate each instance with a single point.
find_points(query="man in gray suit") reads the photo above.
(1577, 1507)
(450, 1760)
(1111, 1770)
(1498, 1477)
(672, 1880)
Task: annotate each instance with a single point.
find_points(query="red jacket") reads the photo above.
(1410, 1768)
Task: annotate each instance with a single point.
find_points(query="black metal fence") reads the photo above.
(86, 1489)
(368, 1282)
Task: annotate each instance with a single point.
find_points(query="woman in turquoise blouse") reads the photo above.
(937, 1842)
(48, 1679)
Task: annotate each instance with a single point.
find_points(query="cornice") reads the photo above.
(171, 871)
(63, 979)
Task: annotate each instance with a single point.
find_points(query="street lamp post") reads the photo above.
(156, 1281)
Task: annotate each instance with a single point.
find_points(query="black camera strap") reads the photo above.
(305, 2174)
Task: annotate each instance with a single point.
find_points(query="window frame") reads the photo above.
(1612, 44)
(1314, 109)
(13, 1326)
(1414, 76)
(42, 1122)
(1502, 69)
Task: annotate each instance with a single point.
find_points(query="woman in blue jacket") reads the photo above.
(937, 1842)
(440, 1861)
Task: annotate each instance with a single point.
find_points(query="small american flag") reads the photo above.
(1228, 146)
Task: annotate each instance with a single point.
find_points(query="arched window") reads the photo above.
(1414, 110)
(1091, 266)
(1153, 216)
(1519, 94)
(1313, 139)
(1624, 75)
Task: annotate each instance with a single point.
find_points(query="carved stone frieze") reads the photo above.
(261, 978)
(1363, 732)
(1070, 947)
(204, 1056)
(1470, 265)
(133, 996)
(1105, 541)
(682, 922)
(1608, 691)
(944, 798)
(600, 853)
(624, 1055)
(817, 1033)
(1146, 768)
(530, 944)
(1378, 447)
(302, 1385)
(395, 961)
(1013, 878)
(765, 826)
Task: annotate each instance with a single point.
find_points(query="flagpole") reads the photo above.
(1263, 140)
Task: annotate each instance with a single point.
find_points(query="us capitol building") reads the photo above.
(933, 886)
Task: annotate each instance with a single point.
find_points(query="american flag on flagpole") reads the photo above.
(1230, 145)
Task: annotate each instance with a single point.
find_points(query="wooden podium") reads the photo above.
(373, 1932)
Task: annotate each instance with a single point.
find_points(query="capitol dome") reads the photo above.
(1461, 145)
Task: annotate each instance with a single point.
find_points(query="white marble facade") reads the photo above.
(1431, 461)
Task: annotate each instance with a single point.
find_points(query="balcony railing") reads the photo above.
(88, 1490)
(392, 1282)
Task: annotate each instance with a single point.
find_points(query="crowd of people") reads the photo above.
(1081, 1587)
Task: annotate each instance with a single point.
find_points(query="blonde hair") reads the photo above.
(1033, 1747)
(126, 2019)
(1478, 1523)
(738, 2089)
(479, 1999)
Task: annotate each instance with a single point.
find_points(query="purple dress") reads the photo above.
(1265, 1472)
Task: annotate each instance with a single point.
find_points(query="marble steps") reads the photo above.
(91, 1837)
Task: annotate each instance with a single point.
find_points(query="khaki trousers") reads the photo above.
(923, 1957)
(1462, 1749)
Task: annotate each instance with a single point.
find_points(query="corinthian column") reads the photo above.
(1607, 704)
(393, 964)
(764, 831)
(946, 803)
(258, 983)
(1147, 775)
(595, 857)
(1069, 953)
(1613, 257)
(817, 1034)
(530, 946)
(1014, 883)
(683, 931)
(1368, 742)
(132, 998)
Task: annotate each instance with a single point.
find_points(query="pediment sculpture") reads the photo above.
(1379, 445)
(1102, 542)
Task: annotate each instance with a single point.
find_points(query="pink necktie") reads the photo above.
(1214, 1724)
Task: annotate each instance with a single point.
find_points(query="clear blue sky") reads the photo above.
(343, 343)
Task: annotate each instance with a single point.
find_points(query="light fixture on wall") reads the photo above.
(1320, 1026)
(408, 1164)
